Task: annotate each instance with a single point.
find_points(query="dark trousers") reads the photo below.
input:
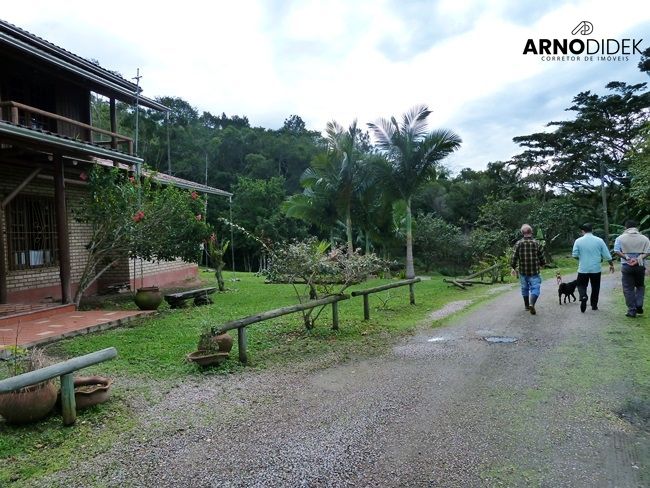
(583, 280)
(633, 278)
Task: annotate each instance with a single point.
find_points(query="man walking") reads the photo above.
(527, 259)
(590, 250)
(632, 247)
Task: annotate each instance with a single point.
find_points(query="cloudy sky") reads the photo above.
(341, 60)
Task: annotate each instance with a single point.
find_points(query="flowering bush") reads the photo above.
(323, 271)
(137, 217)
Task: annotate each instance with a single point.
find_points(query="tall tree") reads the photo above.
(412, 155)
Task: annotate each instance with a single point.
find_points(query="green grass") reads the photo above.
(152, 351)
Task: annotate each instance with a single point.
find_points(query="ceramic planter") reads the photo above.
(29, 404)
(91, 390)
(207, 358)
(148, 298)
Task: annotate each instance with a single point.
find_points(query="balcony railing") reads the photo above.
(19, 113)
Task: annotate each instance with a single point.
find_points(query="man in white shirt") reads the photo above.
(632, 247)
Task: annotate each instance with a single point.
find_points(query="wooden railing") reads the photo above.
(14, 109)
(366, 306)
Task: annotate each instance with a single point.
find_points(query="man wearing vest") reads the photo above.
(632, 247)
(590, 250)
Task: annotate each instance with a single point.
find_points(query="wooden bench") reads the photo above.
(200, 295)
(241, 324)
(65, 370)
(365, 293)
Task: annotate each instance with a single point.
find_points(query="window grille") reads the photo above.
(31, 233)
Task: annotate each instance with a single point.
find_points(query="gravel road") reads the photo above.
(443, 408)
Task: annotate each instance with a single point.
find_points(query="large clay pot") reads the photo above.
(148, 298)
(29, 404)
(224, 341)
(207, 358)
(90, 390)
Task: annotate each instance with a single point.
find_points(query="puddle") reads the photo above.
(501, 339)
(437, 339)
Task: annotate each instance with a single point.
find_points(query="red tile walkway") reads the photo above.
(30, 331)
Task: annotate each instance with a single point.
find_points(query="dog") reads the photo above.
(566, 289)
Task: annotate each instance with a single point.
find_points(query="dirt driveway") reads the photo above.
(445, 408)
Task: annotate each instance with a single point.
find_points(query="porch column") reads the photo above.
(113, 117)
(62, 230)
(3, 261)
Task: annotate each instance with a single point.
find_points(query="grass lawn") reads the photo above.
(151, 353)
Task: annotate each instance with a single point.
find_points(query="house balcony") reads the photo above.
(41, 120)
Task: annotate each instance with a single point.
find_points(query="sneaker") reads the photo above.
(639, 310)
(583, 305)
(531, 309)
(631, 315)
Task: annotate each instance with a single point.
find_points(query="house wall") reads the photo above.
(42, 284)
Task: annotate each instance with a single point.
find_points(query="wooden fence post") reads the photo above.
(335, 315)
(241, 337)
(412, 293)
(366, 308)
(68, 403)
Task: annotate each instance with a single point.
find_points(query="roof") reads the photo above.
(190, 185)
(51, 142)
(30, 44)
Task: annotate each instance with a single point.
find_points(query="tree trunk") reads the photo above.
(348, 228)
(367, 243)
(219, 275)
(603, 195)
(410, 270)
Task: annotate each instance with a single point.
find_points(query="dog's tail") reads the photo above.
(558, 277)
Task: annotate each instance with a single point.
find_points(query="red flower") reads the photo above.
(83, 176)
(198, 217)
(139, 215)
(194, 196)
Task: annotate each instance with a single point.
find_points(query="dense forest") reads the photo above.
(374, 187)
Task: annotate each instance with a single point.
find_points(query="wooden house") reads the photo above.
(46, 140)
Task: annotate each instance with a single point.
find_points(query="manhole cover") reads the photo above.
(501, 339)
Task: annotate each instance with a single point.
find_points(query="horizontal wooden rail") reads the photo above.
(241, 324)
(26, 108)
(64, 370)
(388, 286)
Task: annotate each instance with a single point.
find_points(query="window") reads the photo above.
(31, 233)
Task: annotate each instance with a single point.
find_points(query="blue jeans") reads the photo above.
(530, 285)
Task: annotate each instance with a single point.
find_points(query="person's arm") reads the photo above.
(618, 250)
(515, 257)
(607, 256)
(576, 250)
(540, 256)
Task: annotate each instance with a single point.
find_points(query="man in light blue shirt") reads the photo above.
(590, 251)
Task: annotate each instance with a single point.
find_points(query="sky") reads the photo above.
(362, 59)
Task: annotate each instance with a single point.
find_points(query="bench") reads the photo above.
(200, 295)
(241, 324)
(365, 293)
(65, 370)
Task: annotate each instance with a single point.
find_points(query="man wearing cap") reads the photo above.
(632, 247)
(590, 250)
(527, 260)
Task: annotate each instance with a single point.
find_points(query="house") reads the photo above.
(46, 141)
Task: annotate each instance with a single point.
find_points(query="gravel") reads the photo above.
(447, 412)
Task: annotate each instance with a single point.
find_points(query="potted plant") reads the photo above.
(208, 350)
(33, 402)
(148, 298)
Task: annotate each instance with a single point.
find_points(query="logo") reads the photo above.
(584, 28)
(583, 49)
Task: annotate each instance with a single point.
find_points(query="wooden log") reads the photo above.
(411, 294)
(473, 282)
(455, 283)
(241, 342)
(385, 287)
(68, 403)
(479, 273)
(59, 369)
(335, 315)
(271, 314)
(366, 308)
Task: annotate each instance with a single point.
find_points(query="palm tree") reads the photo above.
(338, 170)
(412, 155)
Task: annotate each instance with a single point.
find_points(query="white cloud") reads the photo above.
(340, 60)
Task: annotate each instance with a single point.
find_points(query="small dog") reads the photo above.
(566, 289)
